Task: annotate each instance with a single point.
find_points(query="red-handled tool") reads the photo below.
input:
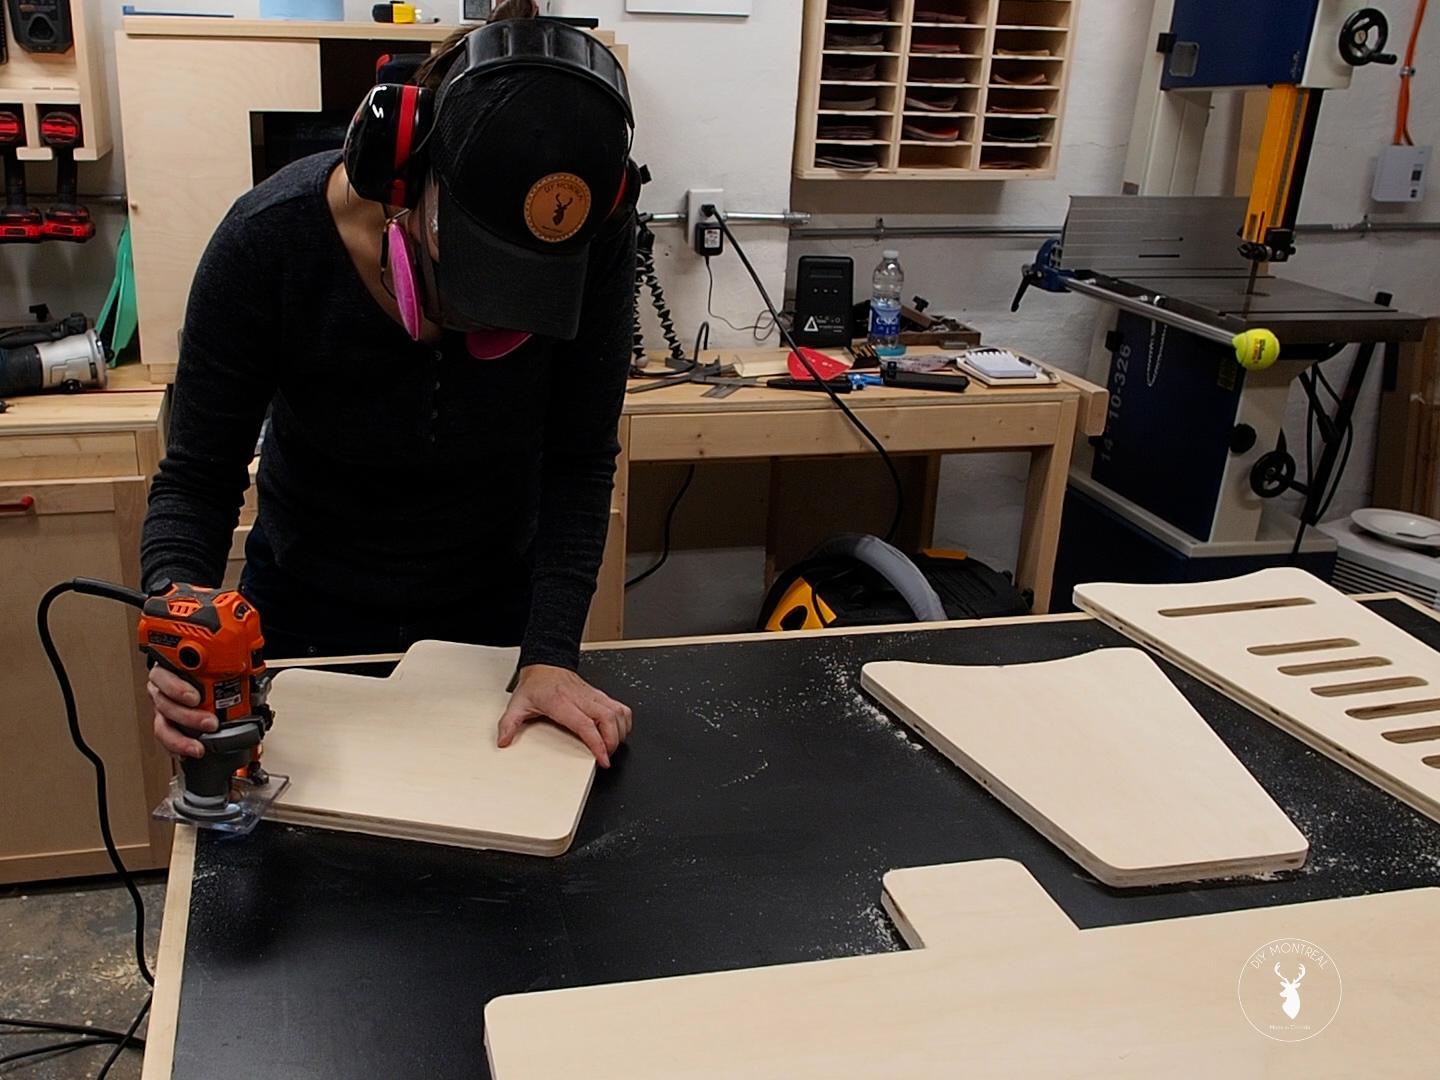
(19, 222)
(66, 219)
(23, 505)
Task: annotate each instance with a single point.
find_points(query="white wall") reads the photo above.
(714, 102)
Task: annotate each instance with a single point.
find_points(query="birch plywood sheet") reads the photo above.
(962, 905)
(1141, 1001)
(1104, 757)
(414, 755)
(1307, 658)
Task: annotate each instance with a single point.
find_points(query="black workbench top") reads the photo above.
(750, 823)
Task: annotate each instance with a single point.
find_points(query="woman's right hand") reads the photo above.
(177, 721)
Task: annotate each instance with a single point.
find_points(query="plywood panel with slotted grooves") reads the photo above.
(1045, 738)
(414, 755)
(1141, 1001)
(1269, 624)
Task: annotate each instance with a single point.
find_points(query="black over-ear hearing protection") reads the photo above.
(385, 144)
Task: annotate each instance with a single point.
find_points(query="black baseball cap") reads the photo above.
(529, 159)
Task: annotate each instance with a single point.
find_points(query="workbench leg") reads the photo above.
(607, 608)
(1044, 503)
(926, 491)
(1407, 442)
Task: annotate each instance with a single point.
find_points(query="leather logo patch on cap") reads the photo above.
(557, 206)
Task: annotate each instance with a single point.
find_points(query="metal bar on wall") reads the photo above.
(881, 231)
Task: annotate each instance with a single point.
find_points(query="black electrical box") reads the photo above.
(824, 294)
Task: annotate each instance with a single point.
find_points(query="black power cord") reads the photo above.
(47, 642)
(759, 330)
(93, 1036)
(1331, 470)
(120, 1046)
(710, 210)
(665, 538)
(52, 1048)
(35, 1026)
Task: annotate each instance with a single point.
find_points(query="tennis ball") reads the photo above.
(1256, 350)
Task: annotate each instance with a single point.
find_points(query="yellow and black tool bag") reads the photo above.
(859, 580)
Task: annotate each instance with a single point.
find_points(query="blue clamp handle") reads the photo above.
(1044, 272)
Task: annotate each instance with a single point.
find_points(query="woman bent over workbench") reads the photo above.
(438, 322)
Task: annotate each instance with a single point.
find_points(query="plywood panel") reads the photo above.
(964, 905)
(187, 154)
(1144, 1001)
(48, 824)
(1259, 638)
(1046, 738)
(414, 755)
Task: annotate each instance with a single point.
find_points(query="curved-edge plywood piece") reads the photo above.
(1103, 756)
(1307, 658)
(962, 905)
(1002, 1000)
(414, 755)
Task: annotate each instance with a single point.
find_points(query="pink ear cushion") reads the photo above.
(402, 277)
(493, 344)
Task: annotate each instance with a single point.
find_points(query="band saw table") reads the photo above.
(750, 823)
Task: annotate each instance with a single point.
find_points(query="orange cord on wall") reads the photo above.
(1407, 72)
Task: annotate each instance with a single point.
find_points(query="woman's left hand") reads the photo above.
(558, 694)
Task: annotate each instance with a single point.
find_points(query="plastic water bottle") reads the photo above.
(886, 284)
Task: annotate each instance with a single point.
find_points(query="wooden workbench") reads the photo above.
(74, 471)
(750, 823)
(679, 424)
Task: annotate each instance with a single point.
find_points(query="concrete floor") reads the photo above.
(67, 955)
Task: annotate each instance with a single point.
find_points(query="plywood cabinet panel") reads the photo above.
(62, 530)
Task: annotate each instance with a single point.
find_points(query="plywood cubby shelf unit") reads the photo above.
(932, 89)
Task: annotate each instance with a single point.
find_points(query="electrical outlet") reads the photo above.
(696, 198)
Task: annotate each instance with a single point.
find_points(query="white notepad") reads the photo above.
(1001, 366)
